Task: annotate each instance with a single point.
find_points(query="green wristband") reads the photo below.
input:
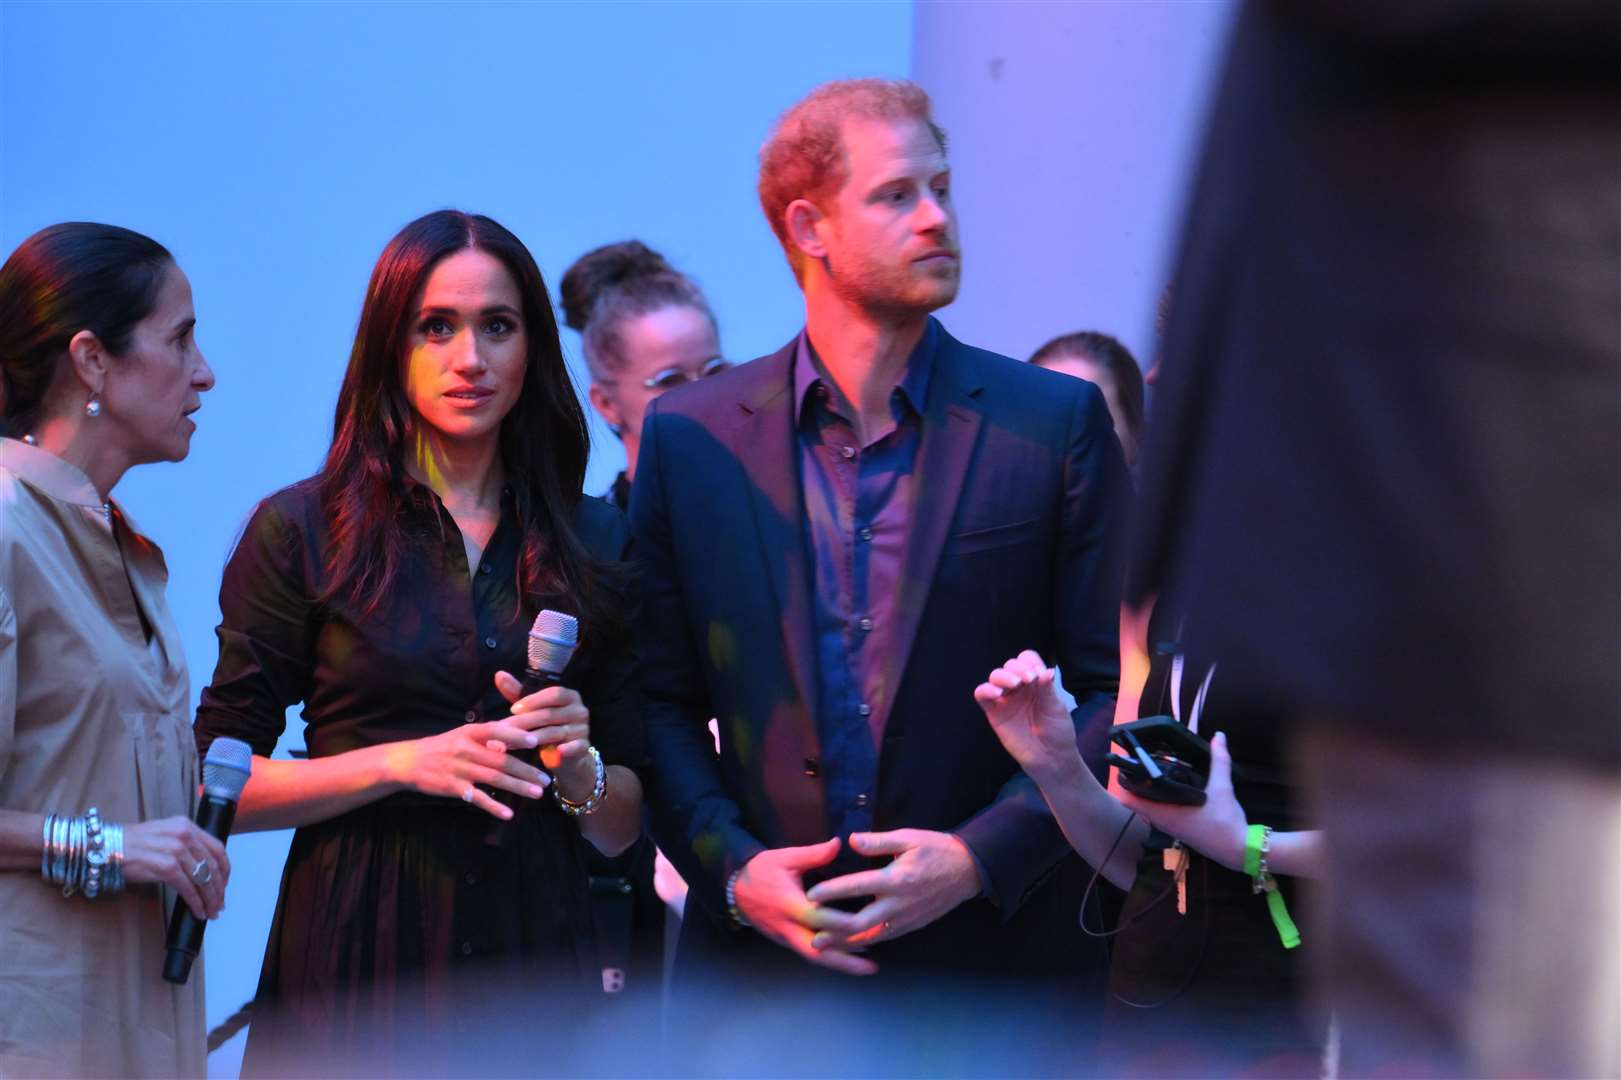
(1253, 841)
(1287, 932)
(1256, 842)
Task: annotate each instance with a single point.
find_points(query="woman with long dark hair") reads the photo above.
(99, 372)
(431, 875)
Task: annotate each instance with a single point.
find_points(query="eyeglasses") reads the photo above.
(670, 378)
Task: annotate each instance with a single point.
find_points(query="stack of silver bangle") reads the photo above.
(83, 855)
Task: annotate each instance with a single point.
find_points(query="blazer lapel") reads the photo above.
(767, 453)
(951, 421)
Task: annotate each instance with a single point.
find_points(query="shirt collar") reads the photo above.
(913, 384)
(416, 490)
(50, 475)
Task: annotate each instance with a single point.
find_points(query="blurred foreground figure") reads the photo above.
(1384, 477)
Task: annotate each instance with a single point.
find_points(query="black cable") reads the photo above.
(232, 1024)
(1198, 962)
(1091, 886)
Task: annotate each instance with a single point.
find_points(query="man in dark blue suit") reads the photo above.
(839, 541)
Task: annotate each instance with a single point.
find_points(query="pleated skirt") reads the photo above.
(411, 938)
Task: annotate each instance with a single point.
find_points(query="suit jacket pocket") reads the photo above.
(992, 538)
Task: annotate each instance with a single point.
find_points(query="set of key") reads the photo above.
(1176, 862)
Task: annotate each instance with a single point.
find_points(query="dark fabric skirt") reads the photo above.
(1213, 992)
(406, 942)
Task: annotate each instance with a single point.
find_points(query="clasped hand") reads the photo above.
(461, 762)
(929, 873)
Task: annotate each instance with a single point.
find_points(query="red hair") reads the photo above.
(803, 157)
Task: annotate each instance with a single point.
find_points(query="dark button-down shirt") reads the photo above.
(422, 662)
(858, 508)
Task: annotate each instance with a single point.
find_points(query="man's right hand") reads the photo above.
(770, 893)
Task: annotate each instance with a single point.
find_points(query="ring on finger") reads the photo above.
(202, 873)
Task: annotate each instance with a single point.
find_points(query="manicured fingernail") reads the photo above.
(820, 941)
(531, 740)
(534, 791)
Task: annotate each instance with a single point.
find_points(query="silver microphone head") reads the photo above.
(552, 641)
(226, 768)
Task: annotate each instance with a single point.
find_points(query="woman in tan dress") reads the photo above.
(99, 370)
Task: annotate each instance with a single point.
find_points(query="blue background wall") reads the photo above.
(1072, 126)
(276, 147)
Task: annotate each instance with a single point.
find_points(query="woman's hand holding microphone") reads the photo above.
(458, 763)
(173, 851)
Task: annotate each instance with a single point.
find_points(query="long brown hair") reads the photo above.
(543, 440)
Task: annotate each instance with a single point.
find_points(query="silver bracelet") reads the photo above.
(95, 853)
(59, 850)
(115, 859)
(45, 848)
(1264, 881)
(598, 790)
(73, 863)
(731, 901)
(82, 854)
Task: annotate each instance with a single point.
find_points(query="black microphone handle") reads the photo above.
(214, 817)
(539, 680)
(497, 834)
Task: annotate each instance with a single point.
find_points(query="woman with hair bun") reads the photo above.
(647, 329)
(99, 372)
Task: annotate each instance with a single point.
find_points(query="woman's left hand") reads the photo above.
(1217, 829)
(563, 723)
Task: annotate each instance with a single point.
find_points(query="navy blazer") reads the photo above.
(1012, 545)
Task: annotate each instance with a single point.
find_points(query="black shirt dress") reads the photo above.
(410, 930)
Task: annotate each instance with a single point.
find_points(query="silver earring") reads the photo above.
(92, 407)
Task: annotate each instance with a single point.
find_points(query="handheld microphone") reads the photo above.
(552, 641)
(225, 773)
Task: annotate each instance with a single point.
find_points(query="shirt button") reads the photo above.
(864, 709)
(865, 623)
(471, 716)
(865, 533)
(848, 452)
(862, 800)
(484, 568)
(489, 643)
(470, 879)
(467, 948)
